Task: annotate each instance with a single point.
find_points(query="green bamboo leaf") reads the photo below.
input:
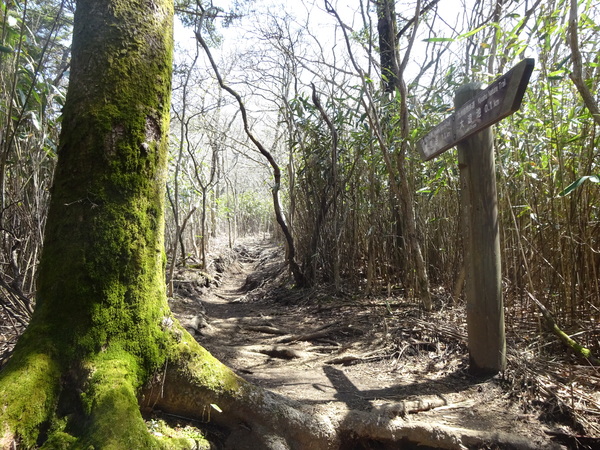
(574, 185)
(561, 64)
(4, 49)
(472, 32)
(438, 39)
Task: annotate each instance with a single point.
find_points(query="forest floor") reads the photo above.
(335, 352)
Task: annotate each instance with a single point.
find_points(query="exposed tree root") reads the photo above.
(277, 351)
(198, 386)
(319, 333)
(266, 329)
(350, 358)
(382, 428)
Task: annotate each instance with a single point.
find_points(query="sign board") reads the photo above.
(499, 100)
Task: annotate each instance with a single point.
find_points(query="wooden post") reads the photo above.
(485, 311)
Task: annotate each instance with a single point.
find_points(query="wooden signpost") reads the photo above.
(469, 129)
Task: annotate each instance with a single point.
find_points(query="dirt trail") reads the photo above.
(334, 354)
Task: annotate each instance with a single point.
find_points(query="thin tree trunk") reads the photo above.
(334, 189)
(577, 74)
(393, 78)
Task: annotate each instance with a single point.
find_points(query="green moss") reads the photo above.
(58, 437)
(105, 224)
(177, 437)
(59, 440)
(29, 389)
(206, 369)
(110, 402)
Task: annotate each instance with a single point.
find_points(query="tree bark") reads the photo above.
(577, 75)
(388, 55)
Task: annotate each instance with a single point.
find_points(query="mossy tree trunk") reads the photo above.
(95, 334)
